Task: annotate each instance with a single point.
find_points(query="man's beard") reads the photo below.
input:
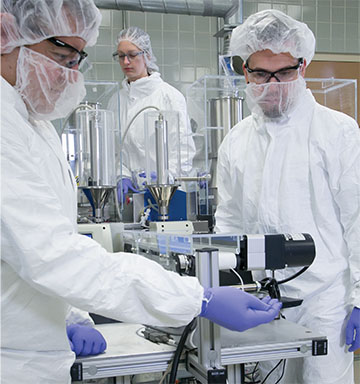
(275, 101)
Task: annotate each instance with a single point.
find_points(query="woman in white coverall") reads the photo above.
(143, 87)
(294, 166)
(46, 266)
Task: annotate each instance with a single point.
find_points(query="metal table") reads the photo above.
(128, 353)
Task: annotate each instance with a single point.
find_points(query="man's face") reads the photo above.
(48, 78)
(284, 67)
(131, 60)
(65, 55)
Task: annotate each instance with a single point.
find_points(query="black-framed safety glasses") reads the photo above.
(81, 55)
(261, 76)
(130, 56)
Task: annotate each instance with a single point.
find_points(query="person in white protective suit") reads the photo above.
(47, 269)
(142, 88)
(293, 166)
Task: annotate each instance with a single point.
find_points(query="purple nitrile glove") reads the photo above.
(153, 176)
(202, 183)
(237, 310)
(125, 184)
(84, 340)
(353, 330)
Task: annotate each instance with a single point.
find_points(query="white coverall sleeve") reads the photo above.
(43, 249)
(225, 215)
(343, 159)
(77, 316)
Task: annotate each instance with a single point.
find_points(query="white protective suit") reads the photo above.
(144, 92)
(46, 267)
(302, 176)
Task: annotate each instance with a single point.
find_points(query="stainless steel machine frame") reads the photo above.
(128, 353)
(218, 349)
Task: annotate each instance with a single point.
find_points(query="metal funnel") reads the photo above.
(100, 196)
(162, 193)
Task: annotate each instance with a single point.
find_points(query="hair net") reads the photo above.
(142, 40)
(26, 22)
(273, 30)
(49, 90)
(275, 101)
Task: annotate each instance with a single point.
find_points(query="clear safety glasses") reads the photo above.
(130, 56)
(260, 76)
(76, 56)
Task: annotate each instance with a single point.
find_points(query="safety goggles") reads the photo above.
(260, 76)
(130, 56)
(76, 59)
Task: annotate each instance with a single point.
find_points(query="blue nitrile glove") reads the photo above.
(353, 330)
(125, 184)
(84, 340)
(237, 310)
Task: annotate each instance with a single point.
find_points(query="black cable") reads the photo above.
(282, 373)
(272, 285)
(293, 276)
(179, 350)
(253, 372)
(269, 373)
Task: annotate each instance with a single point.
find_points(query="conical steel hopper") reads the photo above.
(100, 196)
(162, 194)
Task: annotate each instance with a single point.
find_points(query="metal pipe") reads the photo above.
(251, 287)
(162, 155)
(236, 17)
(206, 177)
(218, 8)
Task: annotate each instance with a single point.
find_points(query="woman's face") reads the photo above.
(132, 62)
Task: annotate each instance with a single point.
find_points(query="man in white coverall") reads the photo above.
(142, 88)
(47, 268)
(294, 166)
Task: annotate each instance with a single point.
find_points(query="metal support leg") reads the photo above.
(123, 380)
(236, 374)
(208, 360)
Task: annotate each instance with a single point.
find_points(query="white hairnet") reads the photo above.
(47, 97)
(141, 39)
(275, 101)
(273, 30)
(26, 22)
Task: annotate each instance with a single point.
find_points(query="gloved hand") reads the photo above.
(84, 340)
(153, 176)
(353, 330)
(125, 184)
(237, 310)
(202, 183)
